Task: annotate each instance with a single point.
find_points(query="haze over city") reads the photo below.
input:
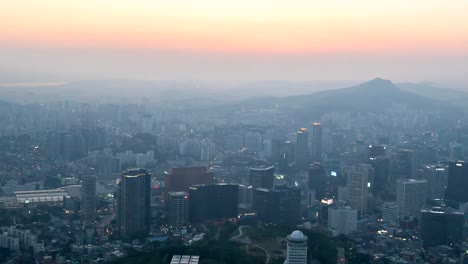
(233, 132)
(234, 41)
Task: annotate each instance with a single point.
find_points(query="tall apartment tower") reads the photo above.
(411, 196)
(297, 248)
(317, 142)
(358, 179)
(262, 177)
(88, 198)
(178, 209)
(302, 153)
(133, 204)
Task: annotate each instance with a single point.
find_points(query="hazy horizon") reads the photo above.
(234, 43)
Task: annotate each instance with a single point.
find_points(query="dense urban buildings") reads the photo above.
(133, 201)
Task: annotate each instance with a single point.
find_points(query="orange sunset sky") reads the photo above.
(228, 40)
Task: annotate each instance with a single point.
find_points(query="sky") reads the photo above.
(233, 41)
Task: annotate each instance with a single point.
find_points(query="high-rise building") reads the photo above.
(436, 176)
(317, 142)
(411, 196)
(213, 201)
(404, 166)
(441, 226)
(245, 196)
(253, 141)
(178, 209)
(381, 167)
(181, 178)
(88, 198)
(377, 151)
(342, 220)
(278, 206)
(297, 248)
(358, 180)
(318, 180)
(390, 212)
(302, 153)
(133, 204)
(262, 177)
(457, 182)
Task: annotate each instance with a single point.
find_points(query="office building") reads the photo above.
(317, 142)
(178, 209)
(377, 151)
(318, 180)
(342, 220)
(88, 198)
(411, 196)
(358, 180)
(436, 176)
(404, 166)
(296, 248)
(457, 183)
(278, 206)
(381, 167)
(262, 177)
(302, 152)
(181, 178)
(133, 204)
(441, 226)
(213, 201)
(245, 196)
(390, 212)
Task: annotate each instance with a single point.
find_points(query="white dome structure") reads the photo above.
(297, 248)
(297, 235)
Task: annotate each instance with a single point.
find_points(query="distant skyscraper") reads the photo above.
(436, 176)
(133, 204)
(342, 220)
(302, 153)
(278, 206)
(457, 183)
(411, 196)
(358, 179)
(88, 198)
(441, 226)
(178, 209)
(262, 177)
(297, 248)
(317, 142)
(213, 201)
